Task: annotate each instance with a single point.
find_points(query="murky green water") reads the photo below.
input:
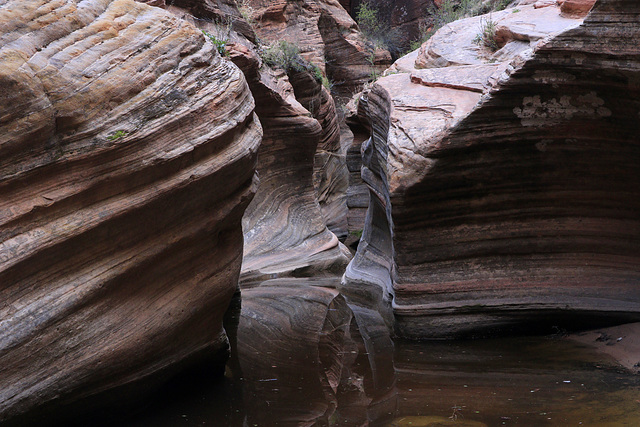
(537, 381)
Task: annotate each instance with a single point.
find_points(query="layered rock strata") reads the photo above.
(127, 157)
(330, 174)
(354, 134)
(508, 197)
(327, 36)
(285, 231)
(301, 166)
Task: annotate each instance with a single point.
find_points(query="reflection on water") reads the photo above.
(515, 381)
(303, 356)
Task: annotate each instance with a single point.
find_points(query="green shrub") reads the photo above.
(367, 19)
(374, 22)
(286, 55)
(117, 135)
(221, 35)
(487, 35)
(220, 44)
(247, 11)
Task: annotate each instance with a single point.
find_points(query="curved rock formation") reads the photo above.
(285, 232)
(301, 166)
(327, 36)
(508, 202)
(127, 157)
(330, 172)
(354, 134)
(515, 31)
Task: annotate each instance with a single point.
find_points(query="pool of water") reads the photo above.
(292, 366)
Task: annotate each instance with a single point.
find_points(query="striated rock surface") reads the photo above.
(577, 8)
(127, 156)
(516, 30)
(285, 231)
(330, 176)
(300, 163)
(354, 134)
(327, 36)
(508, 197)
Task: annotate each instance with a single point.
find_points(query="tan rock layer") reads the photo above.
(127, 150)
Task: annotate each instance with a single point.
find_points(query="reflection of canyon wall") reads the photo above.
(507, 191)
(310, 358)
(127, 155)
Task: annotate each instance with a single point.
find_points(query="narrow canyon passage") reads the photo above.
(319, 212)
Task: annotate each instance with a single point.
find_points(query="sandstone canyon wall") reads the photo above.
(504, 185)
(285, 230)
(127, 157)
(327, 36)
(303, 176)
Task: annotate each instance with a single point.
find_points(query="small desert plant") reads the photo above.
(317, 73)
(373, 75)
(328, 84)
(356, 233)
(220, 44)
(487, 35)
(246, 10)
(375, 25)
(368, 21)
(221, 35)
(117, 135)
(286, 55)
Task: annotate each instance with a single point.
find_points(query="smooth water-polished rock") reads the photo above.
(330, 173)
(301, 168)
(284, 228)
(127, 156)
(507, 193)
